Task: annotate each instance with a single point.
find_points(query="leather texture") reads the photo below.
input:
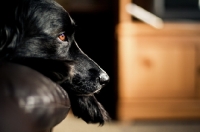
(29, 101)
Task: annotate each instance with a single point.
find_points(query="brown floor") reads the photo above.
(72, 124)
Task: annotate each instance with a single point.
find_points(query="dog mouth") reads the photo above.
(80, 86)
(78, 90)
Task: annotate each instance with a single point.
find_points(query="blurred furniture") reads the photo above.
(158, 69)
(84, 6)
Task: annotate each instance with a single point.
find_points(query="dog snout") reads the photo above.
(104, 78)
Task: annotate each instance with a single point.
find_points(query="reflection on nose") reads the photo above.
(104, 78)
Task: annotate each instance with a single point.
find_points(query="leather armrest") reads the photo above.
(29, 101)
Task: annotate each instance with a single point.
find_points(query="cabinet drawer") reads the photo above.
(157, 63)
(150, 67)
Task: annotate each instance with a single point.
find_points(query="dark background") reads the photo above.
(95, 35)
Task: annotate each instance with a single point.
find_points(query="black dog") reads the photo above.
(40, 34)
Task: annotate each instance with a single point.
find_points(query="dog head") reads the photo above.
(40, 34)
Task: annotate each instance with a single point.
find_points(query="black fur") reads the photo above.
(29, 31)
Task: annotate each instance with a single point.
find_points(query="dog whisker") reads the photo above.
(90, 94)
(85, 94)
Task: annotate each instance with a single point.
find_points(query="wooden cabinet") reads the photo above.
(158, 71)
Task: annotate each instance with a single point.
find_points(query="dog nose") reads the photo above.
(104, 78)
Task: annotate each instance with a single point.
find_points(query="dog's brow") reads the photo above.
(73, 24)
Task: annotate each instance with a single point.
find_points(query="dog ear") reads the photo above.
(89, 109)
(8, 39)
(9, 27)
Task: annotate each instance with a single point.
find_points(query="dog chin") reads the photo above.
(88, 108)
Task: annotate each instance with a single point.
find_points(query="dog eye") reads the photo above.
(62, 37)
